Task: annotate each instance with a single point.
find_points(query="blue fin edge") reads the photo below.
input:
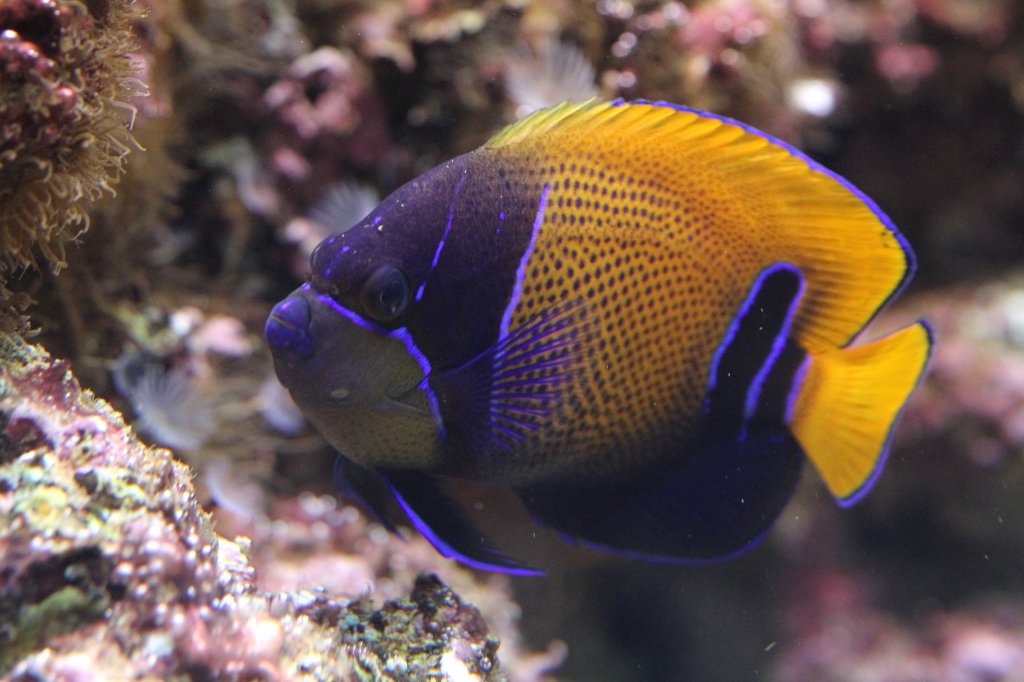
(448, 551)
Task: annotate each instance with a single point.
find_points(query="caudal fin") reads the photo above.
(850, 401)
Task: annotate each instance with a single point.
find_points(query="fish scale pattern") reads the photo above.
(660, 251)
(653, 309)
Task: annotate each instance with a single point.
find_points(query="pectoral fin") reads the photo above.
(507, 393)
(438, 516)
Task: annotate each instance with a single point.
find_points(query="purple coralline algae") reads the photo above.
(112, 570)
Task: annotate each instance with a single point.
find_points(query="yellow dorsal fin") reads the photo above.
(542, 120)
(849, 403)
(767, 198)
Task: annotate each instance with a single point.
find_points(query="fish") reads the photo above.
(636, 317)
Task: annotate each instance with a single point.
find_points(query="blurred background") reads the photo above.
(258, 127)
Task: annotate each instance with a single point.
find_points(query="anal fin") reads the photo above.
(712, 502)
(850, 400)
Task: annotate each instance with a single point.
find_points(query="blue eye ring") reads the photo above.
(385, 295)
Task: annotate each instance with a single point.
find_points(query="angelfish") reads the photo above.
(638, 317)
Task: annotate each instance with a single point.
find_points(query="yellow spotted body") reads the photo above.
(661, 219)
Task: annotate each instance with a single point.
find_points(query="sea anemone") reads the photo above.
(64, 116)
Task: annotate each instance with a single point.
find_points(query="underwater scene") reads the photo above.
(512, 340)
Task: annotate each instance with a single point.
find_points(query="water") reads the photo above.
(258, 111)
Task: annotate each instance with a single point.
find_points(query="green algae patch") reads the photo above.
(66, 610)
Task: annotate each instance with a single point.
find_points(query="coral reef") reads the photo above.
(259, 110)
(112, 570)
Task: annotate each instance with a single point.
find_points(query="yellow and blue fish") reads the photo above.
(636, 316)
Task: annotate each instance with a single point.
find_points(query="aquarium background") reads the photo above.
(166, 167)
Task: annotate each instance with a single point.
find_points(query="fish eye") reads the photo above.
(385, 294)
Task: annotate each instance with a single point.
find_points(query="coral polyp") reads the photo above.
(65, 113)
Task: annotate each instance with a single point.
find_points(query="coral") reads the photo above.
(65, 75)
(260, 108)
(112, 570)
(838, 634)
(314, 539)
(403, 639)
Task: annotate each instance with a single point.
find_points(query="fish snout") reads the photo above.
(287, 329)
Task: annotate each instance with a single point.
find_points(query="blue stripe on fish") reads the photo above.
(781, 386)
(517, 288)
(444, 236)
(796, 383)
(401, 334)
(355, 318)
(781, 341)
(750, 348)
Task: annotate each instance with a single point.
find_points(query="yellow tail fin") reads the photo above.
(850, 401)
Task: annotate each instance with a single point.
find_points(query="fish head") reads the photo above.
(378, 266)
(362, 385)
(390, 312)
(342, 343)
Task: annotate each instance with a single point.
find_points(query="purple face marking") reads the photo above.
(444, 236)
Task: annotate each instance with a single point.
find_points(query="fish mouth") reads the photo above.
(337, 357)
(287, 328)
